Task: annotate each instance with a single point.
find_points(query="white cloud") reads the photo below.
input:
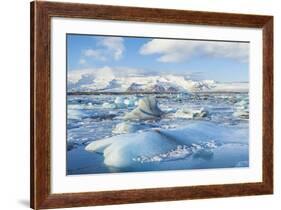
(82, 61)
(96, 54)
(115, 45)
(180, 50)
(107, 48)
(103, 72)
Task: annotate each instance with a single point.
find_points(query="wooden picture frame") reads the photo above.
(40, 188)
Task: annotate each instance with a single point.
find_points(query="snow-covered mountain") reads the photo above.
(87, 81)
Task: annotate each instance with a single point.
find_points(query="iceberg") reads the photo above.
(191, 113)
(120, 103)
(88, 105)
(119, 100)
(131, 101)
(107, 105)
(242, 109)
(242, 114)
(147, 110)
(127, 150)
(76, 114)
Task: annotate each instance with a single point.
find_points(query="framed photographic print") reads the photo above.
(140, 105)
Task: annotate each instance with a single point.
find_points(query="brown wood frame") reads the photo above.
(41, 14)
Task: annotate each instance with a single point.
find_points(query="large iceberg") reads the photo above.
(126, 150)
(147, 109)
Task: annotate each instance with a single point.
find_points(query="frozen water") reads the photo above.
(147, 109)
(180, 152)
(95, 118)
(242, 108)
(192, 113)
(122, 150)
(130, 127)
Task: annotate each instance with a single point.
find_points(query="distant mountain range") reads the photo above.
(87, 82)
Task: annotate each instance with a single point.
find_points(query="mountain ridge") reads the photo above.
(88, 82)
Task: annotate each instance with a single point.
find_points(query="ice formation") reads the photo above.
(242, 108)
(107, 105)
(125, 150)
(121, 102)
(129, 127)
(147, 109)
(191, 113)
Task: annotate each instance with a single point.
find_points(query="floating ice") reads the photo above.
(75, 114)
(243, 114)
(81, 106)
(107, 105)
(129, 127)
(181, 151)
(242, 103)
(191, 113)
(242, 109)
(131, 101)
(119, 100)
(147, 109)
(128, 149)
(120, 103)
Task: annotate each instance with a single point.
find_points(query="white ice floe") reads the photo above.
(120, 103)
(191, 113)
(75, 114)
(119, 100)
(147, 109)
(242, 103)
(130, 101)
(107, 105)
(243, 114)
(81, 106)
(241, 109)
(125, 150)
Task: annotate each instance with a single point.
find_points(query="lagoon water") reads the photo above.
(215, 126)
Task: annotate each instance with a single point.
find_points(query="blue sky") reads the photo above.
(220, 61)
